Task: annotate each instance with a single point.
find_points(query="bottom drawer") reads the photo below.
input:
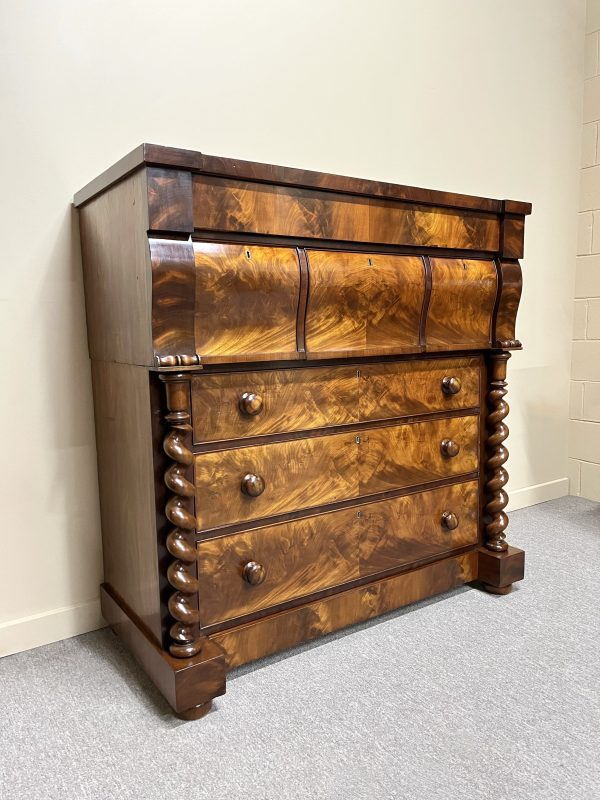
(246, 572)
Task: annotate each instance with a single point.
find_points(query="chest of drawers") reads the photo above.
(299, 385)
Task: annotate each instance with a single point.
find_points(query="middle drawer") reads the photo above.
(263, 480)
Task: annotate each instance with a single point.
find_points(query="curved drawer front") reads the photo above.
(235, 405)
(359, 302)
(246, 301)
(252, 482)
(295, 559)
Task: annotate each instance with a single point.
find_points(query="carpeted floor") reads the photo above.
(465, 696)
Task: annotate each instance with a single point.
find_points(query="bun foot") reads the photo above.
(487, 587)
(197, 712)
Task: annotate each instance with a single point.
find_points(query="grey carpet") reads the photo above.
(464, 696)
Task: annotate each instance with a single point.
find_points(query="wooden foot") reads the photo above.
(188, 684)
(197, 712)
(498, 571)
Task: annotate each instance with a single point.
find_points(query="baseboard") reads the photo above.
(50, 626)
(531, 495)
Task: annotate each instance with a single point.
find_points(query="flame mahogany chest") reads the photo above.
(299, 385)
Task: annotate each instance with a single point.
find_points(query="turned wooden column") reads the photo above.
(495, 519)
(182, 571)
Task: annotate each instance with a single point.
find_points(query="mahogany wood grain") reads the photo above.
(499, 570)
(292, 400)
(222, 204)
(126, 481)
(173, 296)
(116, 273)
(360, 302)
(415, 387)
(511, 284)
(285, 629)
(169, 200)
(309, 555)
(158, 155)
(246, 301)
(404, 455)
(512, 236)
(302, 473)
(461, 307)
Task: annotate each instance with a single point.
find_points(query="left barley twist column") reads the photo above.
(182, 572)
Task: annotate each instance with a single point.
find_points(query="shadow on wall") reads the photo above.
(71, 491)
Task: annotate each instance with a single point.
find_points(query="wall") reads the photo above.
(584, 433)
(473, 96)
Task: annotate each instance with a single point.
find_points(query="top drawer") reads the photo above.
(242, 404)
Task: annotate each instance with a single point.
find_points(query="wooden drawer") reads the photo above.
(241, 404)
(361, 302)
(303, 473)
(235, 405)
(310, 555)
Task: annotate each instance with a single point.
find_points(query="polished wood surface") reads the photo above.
(222, 204)
(463, 294)
(302, 473)
(299, 383)
(303, 557)
(495, 518)
(187, 684)
(291, 400)
(416, 387)
(285, 629)
(118, 298)
(246, 301)
(360, 302)
(194, 161)
(122, 409)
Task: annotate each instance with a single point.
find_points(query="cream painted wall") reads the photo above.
(472, 96)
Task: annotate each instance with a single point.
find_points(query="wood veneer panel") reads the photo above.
(116, 272)
(361, 301)
(508, 305)
(173, 295)
(126, 480)
(415, 387)
(463, 294)
(302, 473)
(246, 301)
(222, 204)
(405, 455)
(291, 400)
(285, 629)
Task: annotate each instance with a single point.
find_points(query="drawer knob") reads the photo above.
(449, 520)
(253, 485)
(449, 448)
(451, 385)
(251, 404)
(253, 573)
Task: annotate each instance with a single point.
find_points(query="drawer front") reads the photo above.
(461, 307)
(418, 387)
(236, 405)
(287, 476)
(359, 303)
(246, 301)
(295, 559)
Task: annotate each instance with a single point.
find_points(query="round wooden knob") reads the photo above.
(451, 385)
(253, 573)
(253, 485)
(449, 448)
(251, 404)
(449, 520)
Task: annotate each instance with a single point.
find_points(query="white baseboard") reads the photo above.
(531, 495)
(49, 626)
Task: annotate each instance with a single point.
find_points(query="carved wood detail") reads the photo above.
(495, 519)
(182, 572)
